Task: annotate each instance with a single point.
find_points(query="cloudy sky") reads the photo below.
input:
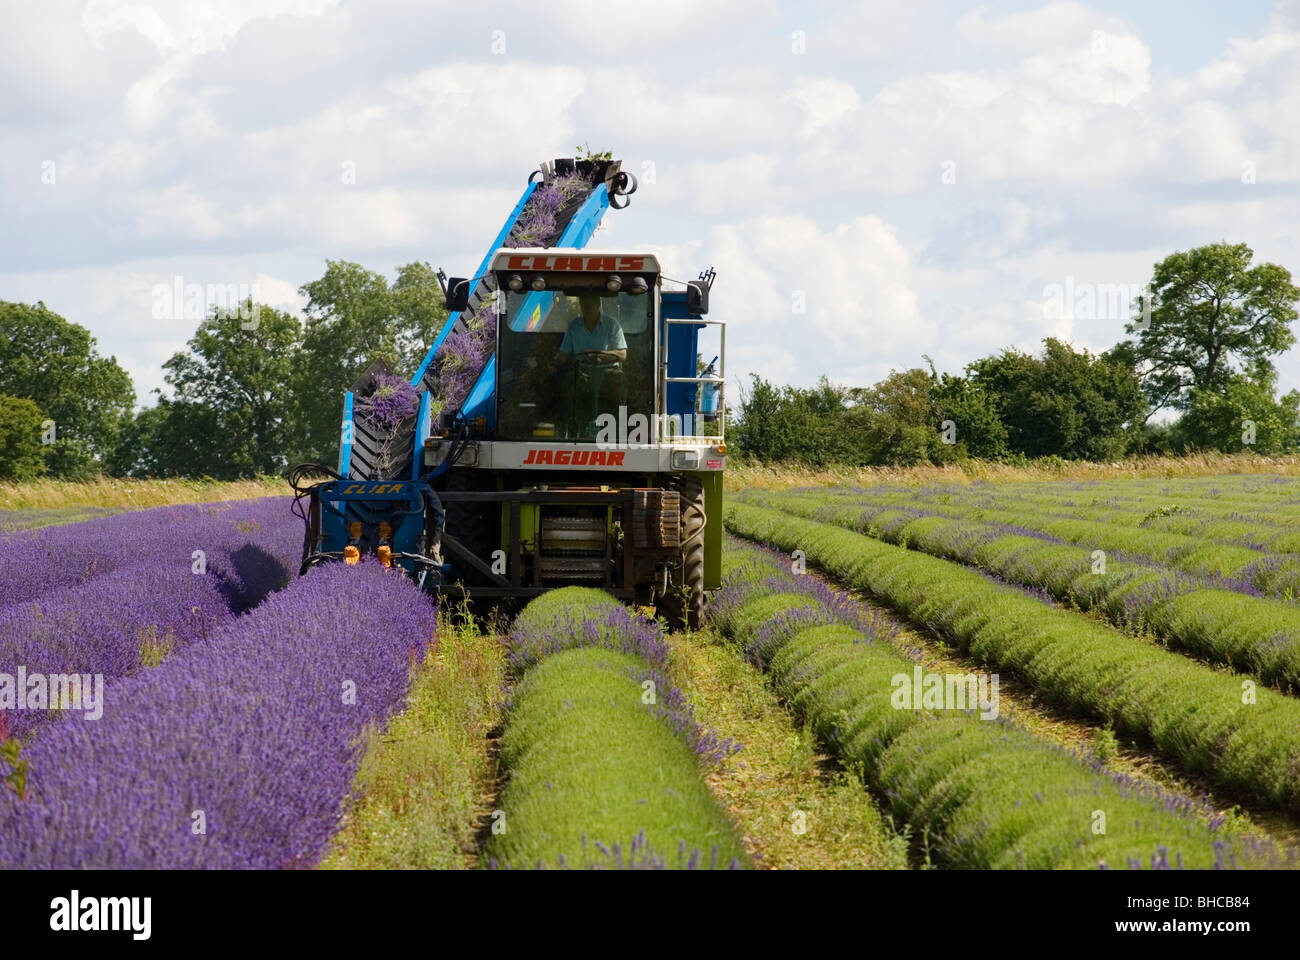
(873, 181)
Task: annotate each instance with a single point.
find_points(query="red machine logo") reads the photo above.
(574, 458)
(539, 262)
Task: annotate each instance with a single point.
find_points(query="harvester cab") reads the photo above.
(562, 429)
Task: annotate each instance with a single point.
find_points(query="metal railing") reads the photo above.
(714, 380)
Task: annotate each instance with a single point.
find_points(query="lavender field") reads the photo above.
(1156, 618)
(173, 695)
(215, 700)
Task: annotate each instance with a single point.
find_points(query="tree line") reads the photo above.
(1200, 351)
(254, 390)
(250, 397)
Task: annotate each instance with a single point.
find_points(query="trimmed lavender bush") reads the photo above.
(237, 753)
(987, 794)
(1222, 618)
(1189, 711)
(12, 521)
(562, 620)
(603, 754)
(587, 618)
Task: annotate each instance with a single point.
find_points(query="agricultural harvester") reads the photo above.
(566, 431)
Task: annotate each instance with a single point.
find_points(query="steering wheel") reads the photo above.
(598, 361)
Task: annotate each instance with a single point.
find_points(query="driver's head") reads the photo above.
(589, 304)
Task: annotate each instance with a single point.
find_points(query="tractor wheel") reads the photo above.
(683, 603)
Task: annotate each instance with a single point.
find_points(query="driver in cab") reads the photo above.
(594, 335)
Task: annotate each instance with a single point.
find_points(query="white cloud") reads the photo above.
(1108, 68)
(211, 138)
(1053, 25)
(280, 294)
(825, 101)
(187, 28)
(802, 301)
(180, 31)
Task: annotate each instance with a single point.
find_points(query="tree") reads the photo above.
(757, 419)
(349, 324)
(787, 423)
(420, 312)
(243, 377)
(354, 318)
(171, 440)
(974, 415)
(22, 456)
(896, 422)
(1068, 404)
(229, 414)
(1209, 308)
(1243, 416)
(54, 363)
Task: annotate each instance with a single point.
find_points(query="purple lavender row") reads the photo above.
(34, 562)
(137, 614)
(237, 753)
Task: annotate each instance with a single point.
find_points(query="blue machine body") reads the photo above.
(681, 347)
(405, 504)
(481, 399)
(355, 512)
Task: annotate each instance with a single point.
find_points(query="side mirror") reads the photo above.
(457, 294)
(697, 297)
(697, 292)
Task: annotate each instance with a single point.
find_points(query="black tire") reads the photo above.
(682, 606)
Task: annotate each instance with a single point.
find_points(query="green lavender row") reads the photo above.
(1253, 541)
(1182, 530)
(602, 753)
(1245, 738)
(983, 793)
(1252, 634)
(1267, 500)
(1263, 498)
(1224, 551)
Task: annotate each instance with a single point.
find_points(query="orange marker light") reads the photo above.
(722, 448)
(385, 556)
(351, 555)
(354, 530)
(385, 530)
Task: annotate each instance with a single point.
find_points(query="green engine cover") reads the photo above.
(712, 529)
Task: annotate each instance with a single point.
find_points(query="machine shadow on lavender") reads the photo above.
(554, 465)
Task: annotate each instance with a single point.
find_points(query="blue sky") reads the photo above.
(921, 176)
